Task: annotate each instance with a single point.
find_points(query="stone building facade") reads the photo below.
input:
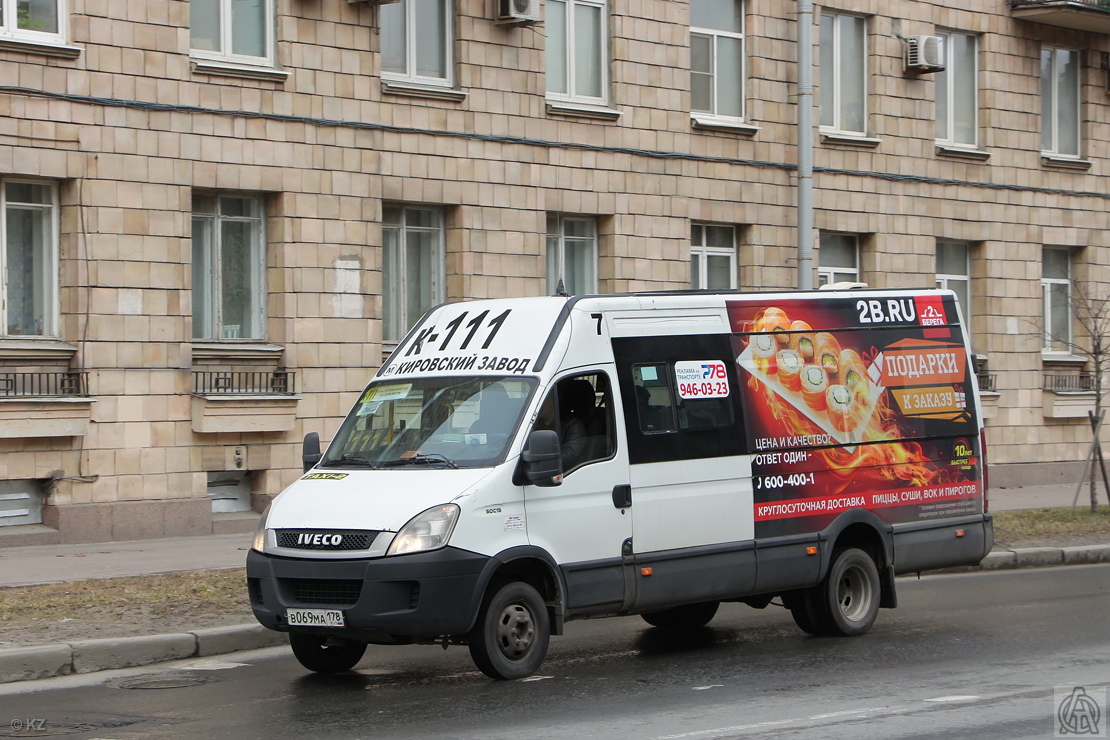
(217, 217)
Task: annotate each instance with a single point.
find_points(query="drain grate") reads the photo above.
(163, 681)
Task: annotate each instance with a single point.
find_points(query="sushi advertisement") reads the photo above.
(856, 403)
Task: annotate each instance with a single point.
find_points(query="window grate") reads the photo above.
(233, 382)
(1092, 4)
(69, 383)
(324, 592)
(1069, 382)
(987, 381)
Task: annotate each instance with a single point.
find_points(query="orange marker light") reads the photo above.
(646, 571)
(811, 550)
(959, 533)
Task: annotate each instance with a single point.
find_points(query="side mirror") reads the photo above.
(310, 451)
(541, 459)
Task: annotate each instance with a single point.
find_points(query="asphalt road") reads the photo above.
(970, 655)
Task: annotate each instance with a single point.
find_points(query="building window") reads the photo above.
(32, 20)
(577, 56)
(843, 73)
(1060, 102)
(712, 257)
(571, 254)
(1056, 287)
(229, 267)
(236, 31)
(954, 273)
(838, 259)
(717, 57)
(416, 41)
(29, 250)
(957, 90)
(412, 266)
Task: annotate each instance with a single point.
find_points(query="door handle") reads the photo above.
(622, 496)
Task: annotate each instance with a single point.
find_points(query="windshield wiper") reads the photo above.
(350, 461)
(419, 459)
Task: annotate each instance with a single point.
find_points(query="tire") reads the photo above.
(324, 654)
(801, 606)
(512, 633)
(689, 616)
(847, 601)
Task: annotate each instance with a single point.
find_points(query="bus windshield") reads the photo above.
(431, 422)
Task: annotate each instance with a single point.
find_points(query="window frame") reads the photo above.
(570, 45)
(700, 254)
(1047, 340)
(269, 59)
(9, 25)
(948, 87)
(395, 319)
(827, 274)
(412, 51)
(741, 77)
(944, 280)
(1050, 99)
(833, 97)
(212, 327)
(556, 272)
(49, 256)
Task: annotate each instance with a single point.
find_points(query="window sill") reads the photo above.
(1062, 358)
(239, 414)
(1065, 163)
(42, 48)
(723, 124)
(1067, 404)
(428, 92)
(259, 351)
(37, 349)
(227, 69)
(844, 139)
(45, 416)
(961, 152)
(581, 110)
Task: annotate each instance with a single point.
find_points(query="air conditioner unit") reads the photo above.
(517, 12)
(923, 54)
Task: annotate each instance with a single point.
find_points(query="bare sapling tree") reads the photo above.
(1090, 308)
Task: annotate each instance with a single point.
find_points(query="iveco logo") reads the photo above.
(307, 539)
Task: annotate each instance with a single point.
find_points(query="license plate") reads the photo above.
(314, 617)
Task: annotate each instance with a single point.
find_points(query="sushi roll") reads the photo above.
(790, 365)
(815, 384)
(774, 320)
(854, 374)
(801, 339)
(826, 353)
(764, 348)
(841, 407)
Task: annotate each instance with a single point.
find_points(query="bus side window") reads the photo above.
(654, 402)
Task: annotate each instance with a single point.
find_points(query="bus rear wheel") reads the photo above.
(689, 616)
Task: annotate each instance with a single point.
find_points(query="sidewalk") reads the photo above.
(35, 564)
(38, 564)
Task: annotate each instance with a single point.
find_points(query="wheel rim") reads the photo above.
(853, 594)
(516, 631)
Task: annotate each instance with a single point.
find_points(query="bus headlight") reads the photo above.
(259, 543)
(428, 530)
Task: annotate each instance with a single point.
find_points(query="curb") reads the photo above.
(89, 656)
